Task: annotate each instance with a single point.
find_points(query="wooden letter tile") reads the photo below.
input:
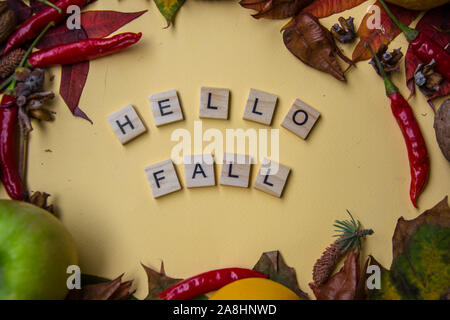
(126, 124)
(235, 170)
(162, 178)
(260, 106)
(300, 119)
(166, 107)
(214, 103)
(199, 170)
(269, 181)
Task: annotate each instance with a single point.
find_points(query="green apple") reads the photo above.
(35, 251)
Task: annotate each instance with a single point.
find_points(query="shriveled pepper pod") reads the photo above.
(417, 150)
(82, 50)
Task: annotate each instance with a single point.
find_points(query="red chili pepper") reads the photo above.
(31, 28)
(207, 282)
(417, 150)
(9, 172)
(82, 50)
(423, 46)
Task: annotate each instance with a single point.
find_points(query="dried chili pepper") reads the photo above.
(10, 174)
(417, 150)
(423, 46)
(314, 45)
(83, 50)
(31, 28)
(207, 282)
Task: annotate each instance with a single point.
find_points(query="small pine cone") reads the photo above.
(9, 63)
(326, 264)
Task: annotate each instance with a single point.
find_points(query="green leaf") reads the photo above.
(272, 264)
(169, 8)
(421, 259)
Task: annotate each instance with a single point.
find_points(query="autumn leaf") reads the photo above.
(384, 34)
(314, 45)
(325, 8)
(275, 9)
(100, 24)
(158, 281)
(169, 8)
(273, 264)
(420, 267)
(73, 80)
(430, 24)
(97, 288)
(343, 285)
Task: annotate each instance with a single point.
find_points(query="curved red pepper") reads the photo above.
(33, 26)
(207, 282)
(419, 161)
(9, 173)
(427, 49)
(417, 151)
(82, 50)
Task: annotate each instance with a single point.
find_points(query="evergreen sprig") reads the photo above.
(350, 233)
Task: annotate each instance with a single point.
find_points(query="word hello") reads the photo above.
(199, 168)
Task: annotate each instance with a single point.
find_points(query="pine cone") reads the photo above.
(324, 267)
(9, 63)
(8, 21)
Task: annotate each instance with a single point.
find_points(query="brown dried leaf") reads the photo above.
(112, 290)
(309, 41)
(273, 264)
(442, 128)
(158, 281)
(344, 284)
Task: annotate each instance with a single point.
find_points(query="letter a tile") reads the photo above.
(126, 124)
(166, 107)
(162, 178)
(260, 106)
(300, 119)
(199, 170)
(272, 177)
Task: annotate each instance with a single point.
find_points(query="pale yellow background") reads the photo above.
(354, 159)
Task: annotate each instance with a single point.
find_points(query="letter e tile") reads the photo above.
(166, 107)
